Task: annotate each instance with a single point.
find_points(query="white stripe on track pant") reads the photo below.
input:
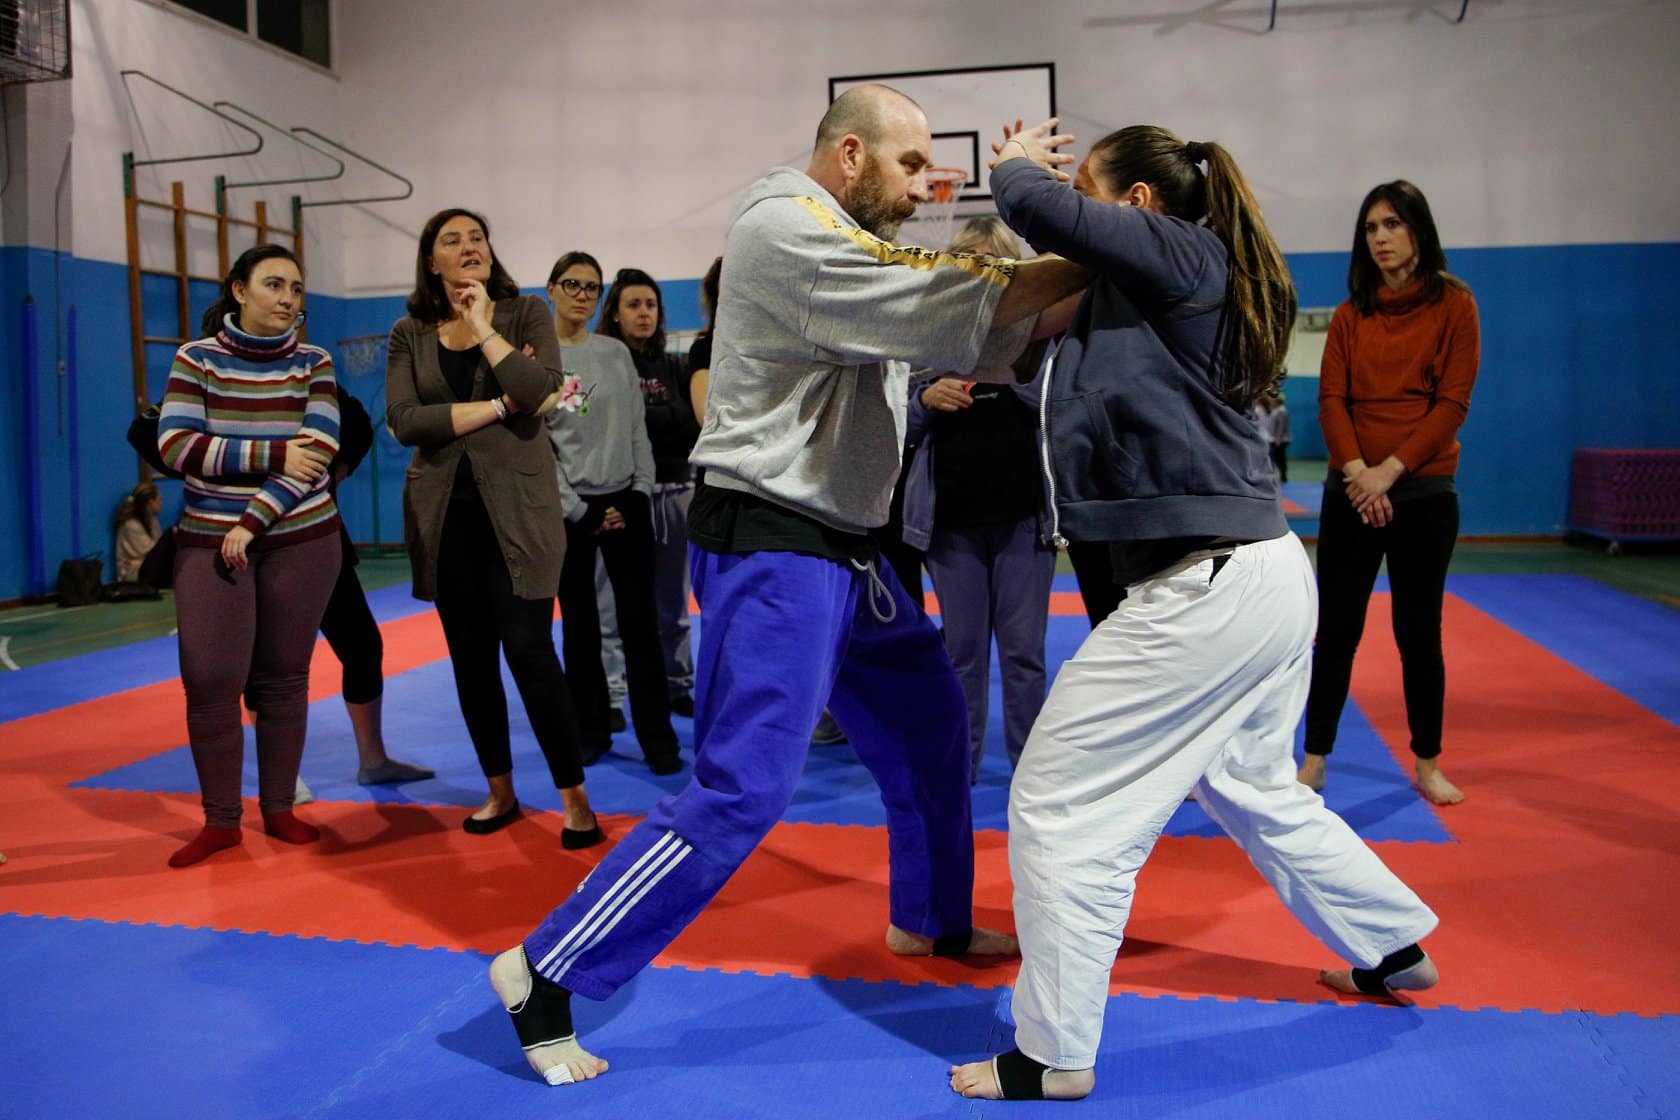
(1193, 682)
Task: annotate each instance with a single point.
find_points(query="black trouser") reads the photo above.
(1093, 567)
(1418, 543)
(628, 555)
(483, 617)
(1280, 460)
(351, 630)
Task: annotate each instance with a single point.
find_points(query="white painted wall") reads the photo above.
(628, 125)
(112, 115)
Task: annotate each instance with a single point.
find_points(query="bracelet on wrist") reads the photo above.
(485, 341)
(498, 408)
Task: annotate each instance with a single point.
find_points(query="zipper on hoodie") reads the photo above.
(1056, 540)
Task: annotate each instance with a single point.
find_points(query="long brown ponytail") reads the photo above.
(1259, 295)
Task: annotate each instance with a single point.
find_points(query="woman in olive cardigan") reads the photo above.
(465, 374)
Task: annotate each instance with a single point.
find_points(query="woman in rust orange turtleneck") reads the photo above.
(1394, 388)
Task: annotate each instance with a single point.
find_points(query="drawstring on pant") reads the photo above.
(877, 586)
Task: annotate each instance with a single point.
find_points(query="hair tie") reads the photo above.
(1194, 152)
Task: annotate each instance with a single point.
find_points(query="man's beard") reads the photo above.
(869, 206)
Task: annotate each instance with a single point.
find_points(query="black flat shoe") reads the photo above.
(665, 764)
(486, 825)
(574, 838)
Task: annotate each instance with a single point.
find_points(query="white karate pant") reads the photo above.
(1189, 684)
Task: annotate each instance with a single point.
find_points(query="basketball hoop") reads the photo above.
(361, 354)
(936, 216)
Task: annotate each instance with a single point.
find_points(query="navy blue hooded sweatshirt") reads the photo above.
(1143, 446)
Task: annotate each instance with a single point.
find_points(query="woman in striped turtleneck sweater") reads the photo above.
(250, 419)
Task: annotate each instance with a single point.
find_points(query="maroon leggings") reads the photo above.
(259, 628)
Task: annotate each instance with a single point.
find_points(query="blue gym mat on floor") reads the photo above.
(423, 725)
(59, 684)
(1569, 615)
(255, 1025)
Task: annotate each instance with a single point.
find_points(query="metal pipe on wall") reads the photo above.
(69, 367)
(35, 554)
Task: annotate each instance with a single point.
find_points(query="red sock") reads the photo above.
(285, 826)
(208, 842)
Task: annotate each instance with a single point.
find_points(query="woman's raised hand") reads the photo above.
(1038, 143)
(305, 462)
(475, 304)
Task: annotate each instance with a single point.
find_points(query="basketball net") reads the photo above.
(936, 216)
(361, 354)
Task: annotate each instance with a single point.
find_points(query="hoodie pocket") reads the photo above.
(1090, 463)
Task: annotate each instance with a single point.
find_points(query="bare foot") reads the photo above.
(558, 1063)
(982, 943)
(1434, 785)
(979, 1079)
(1422, 975)
(1311, 773)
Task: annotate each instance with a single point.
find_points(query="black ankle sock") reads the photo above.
(545, 1016)
(1371, 981)
(1019, 1077)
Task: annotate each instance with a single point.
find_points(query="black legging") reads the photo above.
(351, 630)
(1418, 543)
(482, 616)
(628, 555)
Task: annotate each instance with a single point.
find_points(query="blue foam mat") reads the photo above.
(58, 684)
(201, 1023)
(423, 725)
(1570, 615)
(1308, 495)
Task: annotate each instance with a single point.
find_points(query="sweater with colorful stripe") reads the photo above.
(232, 404)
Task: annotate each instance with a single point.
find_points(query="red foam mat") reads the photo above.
(1558, 894)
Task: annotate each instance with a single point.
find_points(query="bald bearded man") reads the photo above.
(820, 318)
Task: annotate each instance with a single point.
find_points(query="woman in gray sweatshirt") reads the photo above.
(605, 467)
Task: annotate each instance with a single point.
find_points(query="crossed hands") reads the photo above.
(1038, 143)
(1367, 489)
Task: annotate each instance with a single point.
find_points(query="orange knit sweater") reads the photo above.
(1397, 382)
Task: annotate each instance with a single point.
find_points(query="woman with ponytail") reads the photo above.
(250, 420)
(1197, 680)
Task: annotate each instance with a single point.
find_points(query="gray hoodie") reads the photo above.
(818, 324)
(605, 449)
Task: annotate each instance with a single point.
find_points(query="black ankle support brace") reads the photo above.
(1019, 1078)
(1373, 981)
(545, 1015)
(953, 944)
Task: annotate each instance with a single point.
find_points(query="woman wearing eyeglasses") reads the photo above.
(606, 470)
